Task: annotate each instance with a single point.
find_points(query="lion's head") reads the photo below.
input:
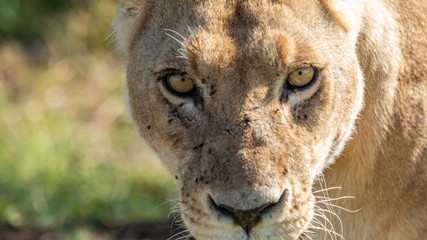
(246, 102)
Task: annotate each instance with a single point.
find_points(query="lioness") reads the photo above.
(285, 119)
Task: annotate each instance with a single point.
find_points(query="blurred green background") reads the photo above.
(69, 155)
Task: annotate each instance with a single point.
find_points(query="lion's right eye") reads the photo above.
(181, 85)
(302, 77)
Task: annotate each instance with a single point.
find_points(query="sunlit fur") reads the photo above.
(349, 151)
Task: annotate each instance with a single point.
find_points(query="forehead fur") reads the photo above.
(237, 16)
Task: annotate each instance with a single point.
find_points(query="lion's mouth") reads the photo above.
(247, 219)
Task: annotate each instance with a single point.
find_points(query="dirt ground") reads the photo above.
(140, 231)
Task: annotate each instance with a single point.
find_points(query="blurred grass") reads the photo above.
(68, 152)
(25, 19)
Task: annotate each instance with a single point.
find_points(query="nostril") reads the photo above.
(223, 210)
(247, 219)
(283, 198)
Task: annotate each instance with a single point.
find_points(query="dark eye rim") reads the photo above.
(293, 88)
(169, 88)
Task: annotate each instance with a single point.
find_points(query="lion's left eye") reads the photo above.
(179, 84)
(302, 77)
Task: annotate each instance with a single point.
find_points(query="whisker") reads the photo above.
(178, 234)
(333, 213)
(327, 189)
(182, 50)
(183, 53)
(323, 228)
(336, 234)
(173, 31)
(326, 210)
(325, 194)
(173, 37)
(192, 35)
(325, 199)
(165, 202)
(342, 208)
(183, 57)
(327, 222)
(179, 222)
(306, 236)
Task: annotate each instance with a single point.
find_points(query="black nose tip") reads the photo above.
(247, 219)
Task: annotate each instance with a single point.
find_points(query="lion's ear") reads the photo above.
(347, 13)
(127, 24)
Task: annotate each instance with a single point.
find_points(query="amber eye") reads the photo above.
(302, 76)
(180, 84)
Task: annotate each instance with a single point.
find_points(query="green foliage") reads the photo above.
(68, 152)
(25, 19)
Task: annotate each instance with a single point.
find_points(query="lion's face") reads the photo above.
(245, 102)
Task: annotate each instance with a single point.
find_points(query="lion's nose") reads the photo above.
(247, 219)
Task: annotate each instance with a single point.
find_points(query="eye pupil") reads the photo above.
(302, 77)
(179, 84)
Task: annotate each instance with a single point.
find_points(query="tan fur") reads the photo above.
(243, 144)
